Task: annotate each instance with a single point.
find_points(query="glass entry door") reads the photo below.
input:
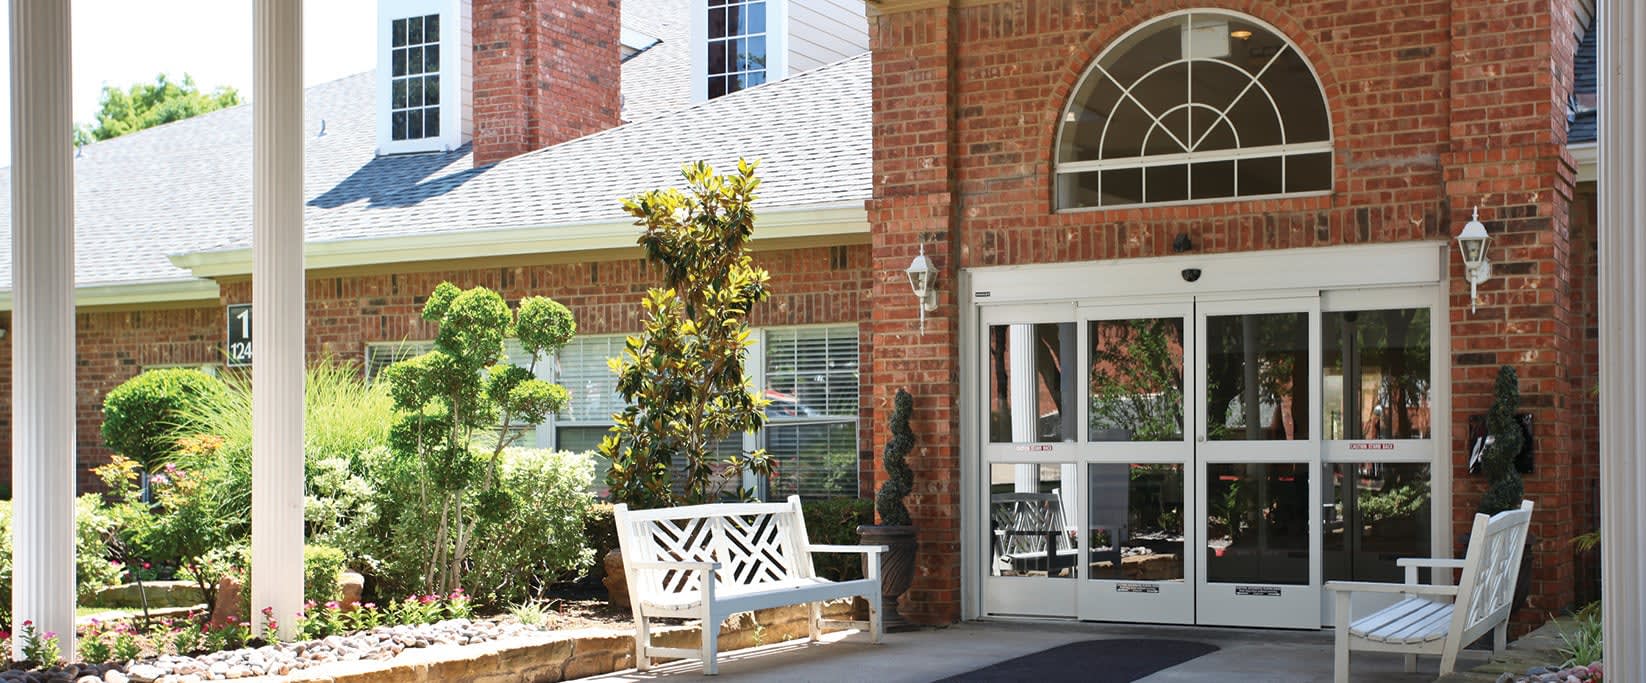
(1137, 466)
(1257, 451)
(1031, 412)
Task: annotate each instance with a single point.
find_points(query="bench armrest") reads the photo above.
(1429, 562)
(1412, 564)
(680, 564)
(826, 548)
(1371, 587)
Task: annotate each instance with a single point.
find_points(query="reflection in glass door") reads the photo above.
(1032, 507)
(1257, 454)
(1136, 462)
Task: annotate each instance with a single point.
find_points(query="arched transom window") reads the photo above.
(1194, 106)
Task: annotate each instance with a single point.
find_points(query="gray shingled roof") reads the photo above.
(1584, 122)
(185, 187)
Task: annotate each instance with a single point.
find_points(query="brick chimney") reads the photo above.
(545, 71)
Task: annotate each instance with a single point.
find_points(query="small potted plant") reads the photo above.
(895, 530)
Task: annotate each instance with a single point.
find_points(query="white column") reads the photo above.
(277, 312)
(42, 335)
(1622, 338)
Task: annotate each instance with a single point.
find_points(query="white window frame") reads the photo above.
(777, 45)
(456, 59)
(1095, 69)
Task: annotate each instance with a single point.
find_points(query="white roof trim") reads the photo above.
(135, 293)
(1587, 156)
(848, 218)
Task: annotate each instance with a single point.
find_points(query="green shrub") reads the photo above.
(536, 535)
(92, 567)
(834, 522)
(321, 567)
(343, 418)
(141, 416)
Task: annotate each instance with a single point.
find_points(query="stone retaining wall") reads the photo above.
(561, 656)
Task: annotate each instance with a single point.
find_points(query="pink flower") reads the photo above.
(50, 635)
(331, 604)
(370, 605)
(232, 619)
(145, 565)
(428, 599)
(27, 623)
(268, 611)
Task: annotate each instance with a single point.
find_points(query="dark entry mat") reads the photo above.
(1121, 659)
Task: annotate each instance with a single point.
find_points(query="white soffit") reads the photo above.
(850, 218)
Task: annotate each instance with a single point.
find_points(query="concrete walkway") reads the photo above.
(1245, 655)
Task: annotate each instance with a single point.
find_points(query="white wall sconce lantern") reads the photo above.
(922, 279)
(1471, 244)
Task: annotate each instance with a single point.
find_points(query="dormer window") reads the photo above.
(423, 73)
(414, 106)
(736, 45)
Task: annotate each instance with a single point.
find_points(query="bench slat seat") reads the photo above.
(744, 598)
(1412, 620)
(1440, 620)
(712, 561)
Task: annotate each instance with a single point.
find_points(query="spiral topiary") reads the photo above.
(899, 478)
(1504, 488)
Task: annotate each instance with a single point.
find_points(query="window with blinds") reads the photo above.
(379, 356)
(811, 378)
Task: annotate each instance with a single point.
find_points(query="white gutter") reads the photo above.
(1587, 156)
(819, 220)
(135, 293)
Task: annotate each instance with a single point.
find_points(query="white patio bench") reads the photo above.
(757, 555)
(1434, 619)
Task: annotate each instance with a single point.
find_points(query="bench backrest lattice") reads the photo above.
(754, 544)
(1487, 588)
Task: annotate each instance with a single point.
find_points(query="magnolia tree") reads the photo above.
(682, 377)
(459, 408)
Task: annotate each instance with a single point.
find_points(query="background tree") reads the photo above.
(457, 399)
(146, 105)
(682, 377)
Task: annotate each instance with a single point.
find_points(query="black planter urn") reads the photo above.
(896, 567)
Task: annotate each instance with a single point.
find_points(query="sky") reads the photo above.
(122, 42)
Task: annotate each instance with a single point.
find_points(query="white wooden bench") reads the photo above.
(1435, 619)
(758, 556)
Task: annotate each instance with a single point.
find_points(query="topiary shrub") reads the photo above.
(834, 521)
(457, 409)
(141, 416)
(899, 478)
(1504, 488)
(321, 567)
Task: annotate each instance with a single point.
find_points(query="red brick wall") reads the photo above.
(1436, 106)
(111, 347)
(545, 71)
